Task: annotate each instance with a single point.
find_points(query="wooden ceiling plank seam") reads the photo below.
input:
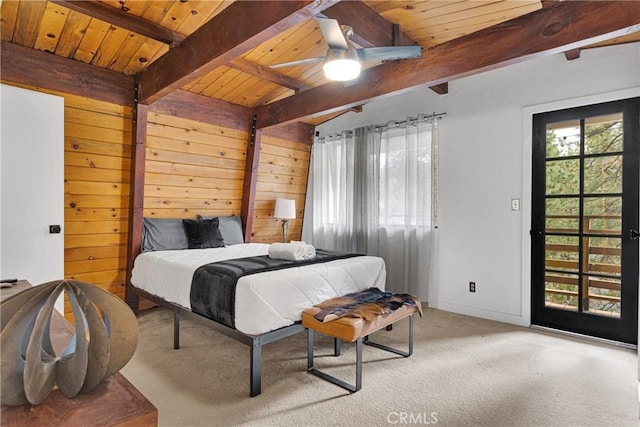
(467, 27)
(122, 19)
(470, 17)
(72, 34)
(132, 7)
(271, 51)
(252, 92)
(474, 10)
(51, 26)
(156, 10)
(28, 22)
(409, 17)
(126, 55)
(221, 5)
(93, 37)
(492, 17)
(200, 10)
(428, 37)
(127, 50)
(149, 49)
(226, 91)
(8, 18)
(567, 25)
(110, 46)
(221, 83)
(198, 86)
(175, 15)
(197, 55)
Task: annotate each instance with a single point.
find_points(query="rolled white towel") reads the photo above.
(286, 251)
(309, 252)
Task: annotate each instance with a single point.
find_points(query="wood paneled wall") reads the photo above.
(192, 168)
(198, 168)
(283, 170)
(97, 162)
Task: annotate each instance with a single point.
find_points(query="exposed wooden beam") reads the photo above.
(240, 27)
(572, 54)
(563, 26)
(441, 89)
(370, 29)
(297, 131)
(136, 198)
(36, 68)
(192, 106)
(268, 74)
(122, 19)
(250, 181)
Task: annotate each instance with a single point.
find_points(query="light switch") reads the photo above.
(515, 204)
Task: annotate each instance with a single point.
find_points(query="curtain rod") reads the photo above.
(408, 120)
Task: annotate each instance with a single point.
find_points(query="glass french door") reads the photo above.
(584, 232)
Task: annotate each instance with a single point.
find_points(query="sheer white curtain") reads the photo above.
(372, 192)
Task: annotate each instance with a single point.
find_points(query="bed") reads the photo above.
(268, 305)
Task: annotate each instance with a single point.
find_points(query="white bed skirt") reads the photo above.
(264, 301)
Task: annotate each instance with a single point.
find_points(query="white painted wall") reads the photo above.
(485, 156)
(485, 162)
(32, 186)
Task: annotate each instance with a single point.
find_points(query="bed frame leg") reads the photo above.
(256, 369)
(176, 329)
(134, 303)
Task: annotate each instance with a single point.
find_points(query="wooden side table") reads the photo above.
(114, 402)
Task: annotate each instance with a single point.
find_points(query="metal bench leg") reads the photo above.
(395, 350)
(309, 349)
(336, 347)
(330, 378)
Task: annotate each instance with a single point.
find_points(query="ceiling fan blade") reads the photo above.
(388, 53)
(298, 62)
(332, 33)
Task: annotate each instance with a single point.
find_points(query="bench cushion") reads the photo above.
(349, 329)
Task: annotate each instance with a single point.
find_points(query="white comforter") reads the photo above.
(264, 301)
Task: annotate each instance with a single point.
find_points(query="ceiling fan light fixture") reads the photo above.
(342, 65)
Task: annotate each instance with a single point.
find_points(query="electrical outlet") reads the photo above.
(472, 286)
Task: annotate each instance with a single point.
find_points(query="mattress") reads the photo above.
(264, 301)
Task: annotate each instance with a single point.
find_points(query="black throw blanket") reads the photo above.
(213, 287)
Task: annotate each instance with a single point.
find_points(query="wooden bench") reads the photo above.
(350, 329)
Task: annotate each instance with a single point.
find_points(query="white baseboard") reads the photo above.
(479, 312)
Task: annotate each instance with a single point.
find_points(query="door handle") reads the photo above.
(634, 235)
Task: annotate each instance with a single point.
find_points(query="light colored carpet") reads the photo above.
(464, 372)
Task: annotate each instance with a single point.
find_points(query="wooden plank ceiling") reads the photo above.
(127, 36)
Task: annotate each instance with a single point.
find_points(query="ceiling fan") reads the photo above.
(343, 61)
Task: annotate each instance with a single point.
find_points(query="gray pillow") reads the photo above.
(163, 234)
(230, 227)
